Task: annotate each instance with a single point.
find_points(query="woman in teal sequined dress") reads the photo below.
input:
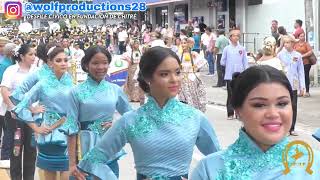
(162, 133)
(93, 105)
(53, 95)
(262, 98)
(42, 73)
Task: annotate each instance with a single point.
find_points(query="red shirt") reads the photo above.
(297, 32)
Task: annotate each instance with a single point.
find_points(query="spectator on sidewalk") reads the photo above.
(293, 65)
(274, 29)
(269, 54)
(207, 38)
(197, 40)
(5, 61)
(221, 42)
(189, 28)
(298, 29)
(234, 59)
(305, 50)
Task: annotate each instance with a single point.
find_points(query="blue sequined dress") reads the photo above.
(244, 160)
(162, 141)
(44, 72)
(54, 95)
(93, 103)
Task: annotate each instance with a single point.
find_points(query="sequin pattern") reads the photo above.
(95, 156)
(252, 160)
(97, 128)
(151, 117)
(50, 118)
(90, 87)
(52, 83)
(70, 126)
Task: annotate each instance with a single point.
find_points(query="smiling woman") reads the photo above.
(162, 133)
(262, 98)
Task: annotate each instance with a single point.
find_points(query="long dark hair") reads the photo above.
(249, 79)
(149, 62)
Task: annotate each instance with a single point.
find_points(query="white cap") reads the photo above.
(196, 30)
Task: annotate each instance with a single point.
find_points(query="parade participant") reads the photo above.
(135, 94)
(13, 76)
(162, 133)
(53, 95)
(93, 105)
(192, 89)
(234, 59)
(42, 73)
(293, 67)
(262, 98)
(269, 54)
(304, 48)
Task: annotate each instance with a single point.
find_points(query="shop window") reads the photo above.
(181, 13)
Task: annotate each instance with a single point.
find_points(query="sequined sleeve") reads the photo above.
(111, 143)
(207, 141)
(123, 104)
(71, 126)
(22, 110)
(208, 168)
(18, 94)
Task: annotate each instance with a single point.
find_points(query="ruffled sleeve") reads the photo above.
(71, 126)
(207, 141)
(18, 94)
(112, 142)
(123, 104)
(22, 110)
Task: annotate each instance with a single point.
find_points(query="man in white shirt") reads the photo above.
(207, 38)
(122, 38)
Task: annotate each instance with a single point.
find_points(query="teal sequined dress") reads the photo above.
(244, 160)
(93, 103)
(162, 141)
(54, 95)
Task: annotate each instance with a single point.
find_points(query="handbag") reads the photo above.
(313, 59)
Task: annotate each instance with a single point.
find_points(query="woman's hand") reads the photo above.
(38, 109)
(106, 125)
(42, 130)
(74, 171)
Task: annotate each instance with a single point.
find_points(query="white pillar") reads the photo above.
(316, 14)
(241, 14)
(189, 9)
(170, 14)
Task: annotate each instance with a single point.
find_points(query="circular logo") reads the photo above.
(301, 150)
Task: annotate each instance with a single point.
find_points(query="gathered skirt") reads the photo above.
(52, 157)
